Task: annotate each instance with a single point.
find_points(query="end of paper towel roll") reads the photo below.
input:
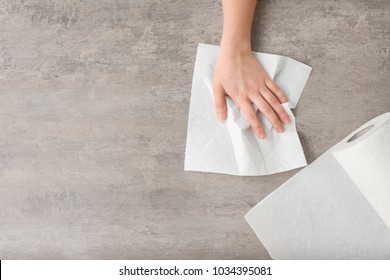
(360, 133)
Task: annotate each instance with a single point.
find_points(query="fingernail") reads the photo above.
(260, 133)
(286, 120)
(220, 116)
(280, 129)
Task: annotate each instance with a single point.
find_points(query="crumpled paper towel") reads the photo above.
(231, 147)
(338, 207)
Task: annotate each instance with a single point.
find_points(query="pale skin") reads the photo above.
(239, 75)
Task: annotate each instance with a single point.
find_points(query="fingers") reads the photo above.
(250, 115)
(219, 101)
(276, 90)
(275, 105)
(266, 109)
(268, 100)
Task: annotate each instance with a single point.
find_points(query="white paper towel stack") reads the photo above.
(232, 147)
(336, 208)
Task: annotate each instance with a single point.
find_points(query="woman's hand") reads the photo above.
(239, 75)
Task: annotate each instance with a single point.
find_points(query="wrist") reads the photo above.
(235, 46)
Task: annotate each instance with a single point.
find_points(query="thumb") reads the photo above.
(219, 101)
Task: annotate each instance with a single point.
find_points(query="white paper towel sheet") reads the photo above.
(336, 208)
(231, 147)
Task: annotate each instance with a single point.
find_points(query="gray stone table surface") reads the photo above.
(94, 99)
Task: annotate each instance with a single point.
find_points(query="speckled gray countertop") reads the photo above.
(94, 100)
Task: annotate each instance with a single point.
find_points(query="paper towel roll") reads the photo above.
(337, 207)
(366, 160)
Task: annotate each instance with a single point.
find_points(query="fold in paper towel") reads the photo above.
(231, 147)
(336, 208)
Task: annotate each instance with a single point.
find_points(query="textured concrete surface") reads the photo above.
(94, 100)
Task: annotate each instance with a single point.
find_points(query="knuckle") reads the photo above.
(219, 107)
(274, 102)
(276, 122)
(272, 83)
(280, 110)
(219, 101)
(263, 90)
(220, 104)
(276, 86)
(215, 90)
(262, 79)
(251, 88)
(258, 127)
(253, 93)
(241, 96)
(279, 92)
(267, 110)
